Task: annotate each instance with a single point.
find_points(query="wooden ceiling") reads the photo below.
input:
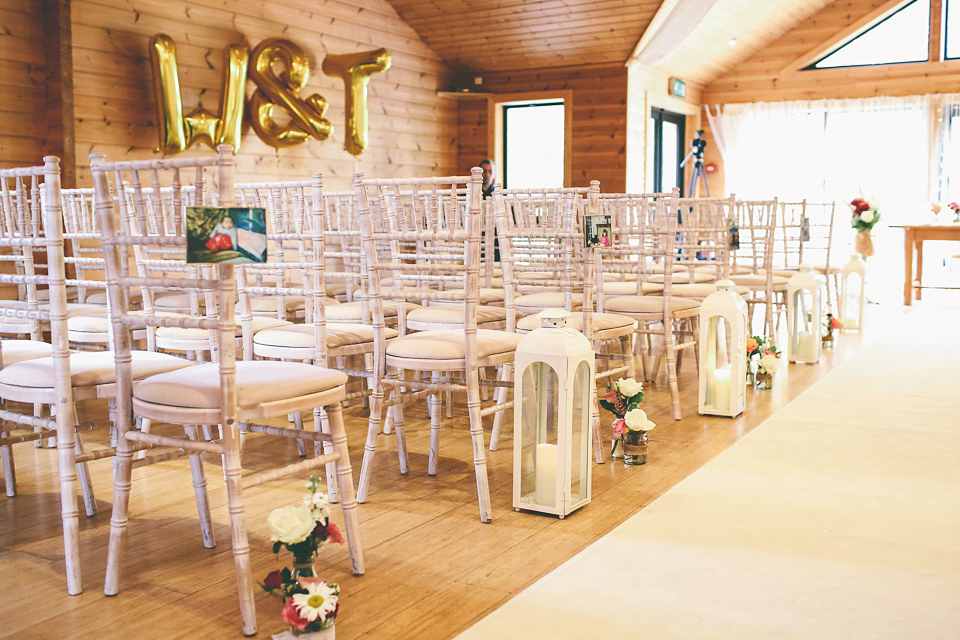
(506, 35)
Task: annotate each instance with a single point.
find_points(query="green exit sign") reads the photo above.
(678, 88)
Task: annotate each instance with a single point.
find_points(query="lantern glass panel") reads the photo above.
(538, 435)
(804, 332)
(580, 433)
(720, 348)
(852, 292)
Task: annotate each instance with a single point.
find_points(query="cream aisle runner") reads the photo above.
(839, 517)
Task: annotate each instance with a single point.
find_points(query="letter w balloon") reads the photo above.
(279, 116)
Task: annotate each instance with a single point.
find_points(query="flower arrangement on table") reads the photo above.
(309, 603)
(956, 210)
(631, 424)
(865, 217)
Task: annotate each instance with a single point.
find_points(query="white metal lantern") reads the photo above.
(723, 349)
(853, 296)
(804, 313)
(553, 401)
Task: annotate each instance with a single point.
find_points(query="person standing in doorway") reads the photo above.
(489, 169)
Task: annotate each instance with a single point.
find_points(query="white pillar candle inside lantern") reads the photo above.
(853, 295)
(723, 352)
(553, 401)
(804, 313)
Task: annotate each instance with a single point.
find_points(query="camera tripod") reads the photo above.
(696, 153)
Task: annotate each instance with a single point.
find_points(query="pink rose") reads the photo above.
(292, 617)
(619, 426)
(334, 533)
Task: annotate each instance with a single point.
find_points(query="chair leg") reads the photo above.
(370, 446)
(83, 474)
(241, 546)
(476, 436)
(9, 471)
(499, 397)
(118, 519)
(200, 491)
(626, 352)
(399, 429)
(320, 419)
(671, 357)
(434, 402)
(348, 502)
(298, 423)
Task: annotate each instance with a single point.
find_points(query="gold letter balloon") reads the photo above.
(273, 89)
(356, 69)
(279, 116)
(179, 132)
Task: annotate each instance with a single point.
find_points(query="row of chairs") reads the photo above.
(385, 284)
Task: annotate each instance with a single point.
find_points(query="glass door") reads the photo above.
(665, 147)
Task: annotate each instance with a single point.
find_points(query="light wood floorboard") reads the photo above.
(433, 568)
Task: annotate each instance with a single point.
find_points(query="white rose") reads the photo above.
(866, 216)
(629, 387)
(637, 420)
(769, 363)
(291, 525)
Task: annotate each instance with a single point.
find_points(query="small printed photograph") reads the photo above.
(226, 235)
(597, 231)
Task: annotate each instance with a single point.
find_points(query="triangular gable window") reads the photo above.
(903, 36)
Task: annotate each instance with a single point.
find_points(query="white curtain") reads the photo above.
(886, 149)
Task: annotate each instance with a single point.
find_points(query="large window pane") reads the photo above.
(533, 145)
(902, 37)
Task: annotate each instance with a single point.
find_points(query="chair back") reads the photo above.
(133, 232)
(427, 237)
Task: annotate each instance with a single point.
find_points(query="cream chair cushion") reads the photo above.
(449, 344)
(648, 304)
(13, 351)
(781, 273)
(537, 302)
(601, 322)
(257, 323)
(300, 336)
(702, 290)
(198, 387)
(174, 302)
(88, 368)
(451, 314)
(99, 298)
(679, 277)
(620, 277)
(712, 269)
(630, 288)
(352, 312)
(759, 282)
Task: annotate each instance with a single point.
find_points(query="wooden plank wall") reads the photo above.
(411, 130)
(766, 76)
(22, 83)
(599, 118)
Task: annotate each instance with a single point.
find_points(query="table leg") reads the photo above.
(908, 267)
(919, 288)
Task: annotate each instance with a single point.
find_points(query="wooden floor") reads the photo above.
(432, 567)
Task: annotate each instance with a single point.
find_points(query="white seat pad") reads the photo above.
(257, 323)
(536, 302)
(174, 302)
(99, 298)
(351, 312)
(601, 322)
(73, 309)
(453, 314)
(449, 344)
(88, 368)
(301, 336)
(712, 269)
(14, 351)
(759, 282)
(648, 304)
(198, 387)
(678, 277)
(100, 323)
(702, 290)
(630, 288)
(485, 295)
(619, 277)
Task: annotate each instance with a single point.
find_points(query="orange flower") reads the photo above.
(751, 345)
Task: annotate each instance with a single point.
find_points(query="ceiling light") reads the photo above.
(731, 42)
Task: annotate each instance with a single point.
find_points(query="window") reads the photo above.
(665, 144)
(951, 32)
(903, 36)
(533, 144)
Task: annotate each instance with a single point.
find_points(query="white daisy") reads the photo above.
(318, 602)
